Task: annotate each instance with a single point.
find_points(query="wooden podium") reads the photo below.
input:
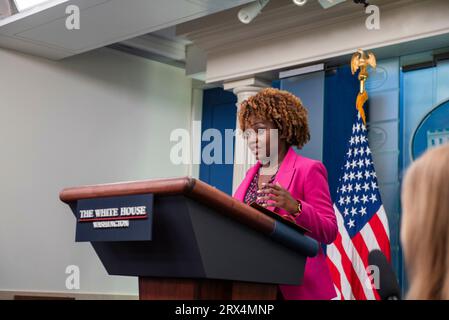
(204, 244)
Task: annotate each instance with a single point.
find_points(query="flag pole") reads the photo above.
(361, 60)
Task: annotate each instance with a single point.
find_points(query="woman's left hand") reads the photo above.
(277, 197)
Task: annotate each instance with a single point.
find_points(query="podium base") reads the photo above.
(204, 289)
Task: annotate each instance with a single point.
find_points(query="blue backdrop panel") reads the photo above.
(340, 94)
(219, 112)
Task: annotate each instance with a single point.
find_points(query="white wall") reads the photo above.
(95, 118)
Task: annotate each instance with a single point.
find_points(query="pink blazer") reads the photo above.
(306, 180)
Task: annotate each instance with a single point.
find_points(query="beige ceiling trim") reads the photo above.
(286, 35)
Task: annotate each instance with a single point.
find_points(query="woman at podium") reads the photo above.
(287, 183)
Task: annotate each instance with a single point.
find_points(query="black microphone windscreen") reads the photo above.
(387, 282)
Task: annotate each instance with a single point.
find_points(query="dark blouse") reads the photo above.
(251, 193)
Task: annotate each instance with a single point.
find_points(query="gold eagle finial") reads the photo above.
(361, 61)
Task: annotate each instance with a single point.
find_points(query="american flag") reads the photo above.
(362, 221)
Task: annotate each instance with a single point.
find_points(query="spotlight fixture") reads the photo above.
(300, 2)
(364, 2)
(329, 3)
(249, 12)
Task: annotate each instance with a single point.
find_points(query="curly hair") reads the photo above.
(283, 109)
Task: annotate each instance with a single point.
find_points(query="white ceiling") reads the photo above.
(41, 31)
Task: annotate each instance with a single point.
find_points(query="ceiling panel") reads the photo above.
(102, 22)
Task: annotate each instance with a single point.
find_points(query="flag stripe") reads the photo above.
(381, 236)
(363, 250)
(348, 269)
(354, 257)
(339, 295)
(369, 238)
(345, 289)
(334, 258)
(384, 220)
(335, 275)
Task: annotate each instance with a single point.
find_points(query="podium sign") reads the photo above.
(123, 218)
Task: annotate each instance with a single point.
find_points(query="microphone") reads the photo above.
(388, 284)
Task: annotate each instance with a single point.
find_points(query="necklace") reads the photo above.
(269, 170)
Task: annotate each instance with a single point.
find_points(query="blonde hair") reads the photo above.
(425, 225)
